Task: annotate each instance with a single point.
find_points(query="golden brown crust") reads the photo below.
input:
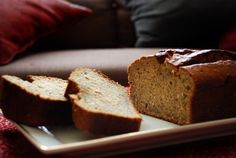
(72, 88)
(215, 90)
(21, 106)
(213, 73)
(186, 57)
(101, 123)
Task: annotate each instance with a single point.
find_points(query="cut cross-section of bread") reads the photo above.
(39, 100)
(100, 105)
(185, 86)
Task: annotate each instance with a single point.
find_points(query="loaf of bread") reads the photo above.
(185, 86)
(99, 105)
(39, 100)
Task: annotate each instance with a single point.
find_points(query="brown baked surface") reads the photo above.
(185, 86)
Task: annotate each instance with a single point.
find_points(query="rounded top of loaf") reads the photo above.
(185, 57)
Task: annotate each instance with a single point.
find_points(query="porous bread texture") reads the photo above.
(100, 105)
(185, 86)
(156, 91)
(39, 100)
(49, 87)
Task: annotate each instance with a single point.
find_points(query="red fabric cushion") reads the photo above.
(24, 21)
(228, 40)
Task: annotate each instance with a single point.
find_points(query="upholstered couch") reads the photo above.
(104, 41)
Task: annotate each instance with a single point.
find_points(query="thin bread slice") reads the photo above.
(100, 105)
(39, 100)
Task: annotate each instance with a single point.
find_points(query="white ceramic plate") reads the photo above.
(153, 133)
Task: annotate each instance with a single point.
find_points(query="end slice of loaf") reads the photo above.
(39, 100)
(100, 105)
(185, 86)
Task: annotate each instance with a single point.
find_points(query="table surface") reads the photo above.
(14, 145)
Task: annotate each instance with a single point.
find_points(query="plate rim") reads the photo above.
(175, 135)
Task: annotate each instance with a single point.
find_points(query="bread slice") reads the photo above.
(100, 105)
(185, 86)
(39, 100)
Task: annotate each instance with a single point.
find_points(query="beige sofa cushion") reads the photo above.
(113, 62)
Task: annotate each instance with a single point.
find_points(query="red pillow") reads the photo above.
(24, 21)
(228, 40)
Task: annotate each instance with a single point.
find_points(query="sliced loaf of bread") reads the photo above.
(100, 105)
(39, 100)
(185, 86)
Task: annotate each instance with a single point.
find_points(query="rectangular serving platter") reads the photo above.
(69, 141)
